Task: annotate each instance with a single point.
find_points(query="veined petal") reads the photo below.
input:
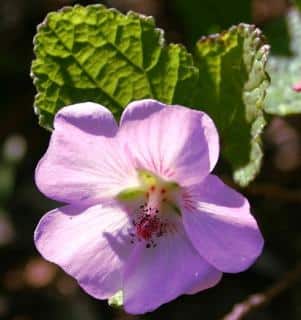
(89, 244)
(174, 142)
(83, 161)
(221, 226)
(154, 276)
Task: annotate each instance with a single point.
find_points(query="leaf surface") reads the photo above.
(232, 88)
(97, 54)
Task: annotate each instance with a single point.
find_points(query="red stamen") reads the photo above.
(147, 226)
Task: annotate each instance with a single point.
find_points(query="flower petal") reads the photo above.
(173, 142)
(222, 228)
(89, 244)
(154, 276)
(206, 281)
(139, 110)
(83, 162)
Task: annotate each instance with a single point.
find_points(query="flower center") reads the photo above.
(148, 224)
(154, 207)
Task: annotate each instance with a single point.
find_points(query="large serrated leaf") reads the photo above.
(232, 87)
(98, 54)
(285, 71)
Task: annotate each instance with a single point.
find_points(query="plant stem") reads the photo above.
(260, 299)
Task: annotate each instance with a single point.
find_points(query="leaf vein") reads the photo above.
(84, 70)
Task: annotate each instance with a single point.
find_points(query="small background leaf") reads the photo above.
(285, 71)
(98, 54)
(232, 86)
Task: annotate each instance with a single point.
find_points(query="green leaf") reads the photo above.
(116, 301)
(285, 72)
(98, 54)
(232, 87)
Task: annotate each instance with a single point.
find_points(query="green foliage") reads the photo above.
(298, 4)
(285, 72)
(96, 54)
(232, 86)
(116, 301)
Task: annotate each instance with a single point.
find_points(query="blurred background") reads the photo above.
(31, 288)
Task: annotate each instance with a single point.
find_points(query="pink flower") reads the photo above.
(297, 86)
(143, 215)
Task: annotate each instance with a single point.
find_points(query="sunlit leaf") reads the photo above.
(98, 54)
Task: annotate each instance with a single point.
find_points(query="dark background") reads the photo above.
(32, 289)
